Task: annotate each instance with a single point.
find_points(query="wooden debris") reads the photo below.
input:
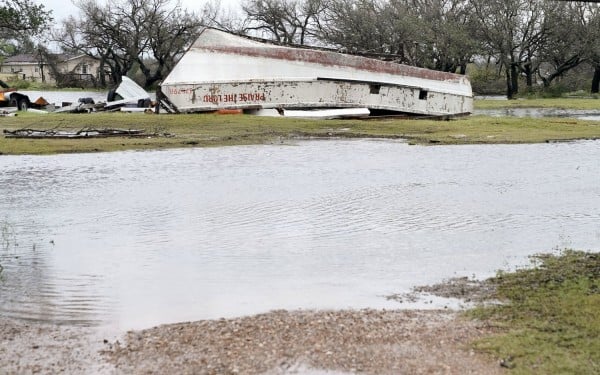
(83, 133)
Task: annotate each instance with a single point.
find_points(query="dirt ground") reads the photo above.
(36, 348)
(274, 343)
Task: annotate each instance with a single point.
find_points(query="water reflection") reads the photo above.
(591, 115)
(140, 238)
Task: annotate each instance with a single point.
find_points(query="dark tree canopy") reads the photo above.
(127, 34)
(23, 16)
(20, 20)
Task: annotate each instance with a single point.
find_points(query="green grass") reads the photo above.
(206, 130)
(550, 321)
(560, 103)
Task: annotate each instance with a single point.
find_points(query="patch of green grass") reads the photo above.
(560, 103)
(550, 320)
(207, 130)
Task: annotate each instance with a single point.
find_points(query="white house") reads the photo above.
(36, 68)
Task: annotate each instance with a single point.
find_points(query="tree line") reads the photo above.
(526, 41)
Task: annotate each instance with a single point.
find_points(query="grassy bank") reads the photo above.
(560, 103)
(550, 322)
(205, 130)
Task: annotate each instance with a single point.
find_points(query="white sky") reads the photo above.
(64, 8)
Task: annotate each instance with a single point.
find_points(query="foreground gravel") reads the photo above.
(308, 342)
(36, 348)
(275, 343)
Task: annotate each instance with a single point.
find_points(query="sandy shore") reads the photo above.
(278, 342)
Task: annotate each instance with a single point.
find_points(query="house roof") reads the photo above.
(29, 58)
(22, 58)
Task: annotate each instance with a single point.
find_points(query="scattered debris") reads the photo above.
(462, 288)
(83, 133)
(127, 97)
(8, 112)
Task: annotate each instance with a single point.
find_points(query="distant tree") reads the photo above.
(20, 20)
(23, 17)
(436, 34)
(377, 27)
(593, 52)
(215, 15)
(285, 21)
(169, 32)
(563, 51)
(514, 32)
(124, 34)
(446, 40)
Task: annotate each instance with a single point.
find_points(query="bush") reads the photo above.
(486, 81)
(20, 84)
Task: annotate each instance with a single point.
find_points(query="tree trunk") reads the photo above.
(514, 76)
(101, 75)
(529, 74)
(509, 90)
(596, 80)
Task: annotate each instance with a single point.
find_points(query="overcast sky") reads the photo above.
(64, 8)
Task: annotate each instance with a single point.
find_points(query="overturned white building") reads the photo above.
(226, 71)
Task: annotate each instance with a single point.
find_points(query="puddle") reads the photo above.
(135, 239)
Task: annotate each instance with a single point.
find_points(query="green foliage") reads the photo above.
(23, 17)
(485, 80)
(554, 91)
(551, 316)
(19, 84)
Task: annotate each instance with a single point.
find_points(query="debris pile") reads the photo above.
(83, 133)
(127, 97)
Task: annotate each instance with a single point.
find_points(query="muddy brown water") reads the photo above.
(134, 239)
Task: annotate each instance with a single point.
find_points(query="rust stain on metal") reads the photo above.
(337, 59)
(239, 73)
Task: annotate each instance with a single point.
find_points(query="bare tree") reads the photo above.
(169, 32)
(126, 33)
(445, 41)
(371, 27)
(285, 21)
(215, 15)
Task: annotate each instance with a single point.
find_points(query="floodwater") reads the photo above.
(58, 97)
(135, 239)
(589, 114)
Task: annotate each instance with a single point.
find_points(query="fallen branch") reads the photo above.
(83, 133)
